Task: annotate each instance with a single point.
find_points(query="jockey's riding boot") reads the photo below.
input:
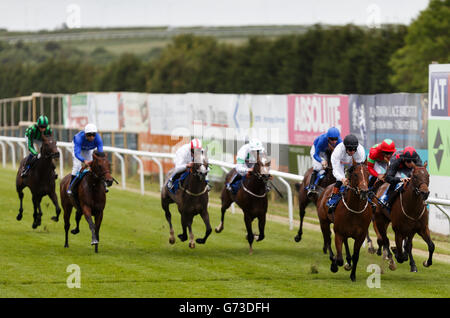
(386, 198)
(228, 185)
(72, 182)
(372, 181)
(170, 184)
(334, 199)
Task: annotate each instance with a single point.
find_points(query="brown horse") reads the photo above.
(304, 200)
(251, 198)
(409, 215)
(40, 180)
(351, 218)
(191, 198)
(91, 197)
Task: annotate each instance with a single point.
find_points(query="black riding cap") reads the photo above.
(351, 141)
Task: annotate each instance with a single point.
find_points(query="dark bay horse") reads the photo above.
(304, 200)
(409, 215)
(191, 198)
(352, 217)
(91, 197)
(40, 180)
(251, 198)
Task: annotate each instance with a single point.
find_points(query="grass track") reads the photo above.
(135, 258)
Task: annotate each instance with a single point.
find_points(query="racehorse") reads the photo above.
(303, 199)
(251, 198)
(192, 199)
(40, 180)
(91, 197)
(409, 215)
(351, 218)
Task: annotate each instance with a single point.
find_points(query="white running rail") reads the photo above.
(6, 142)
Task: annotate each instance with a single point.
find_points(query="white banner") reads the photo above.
(103, 111)
(438, 222)
(133, 112)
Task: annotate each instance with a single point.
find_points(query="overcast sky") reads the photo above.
(51, 14)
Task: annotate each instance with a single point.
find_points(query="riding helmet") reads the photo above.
(196, 144)
(409, 153)
(333, 132)
(90, 128)
(256, 144)
(350, 141)
(388, 146)
(42, 121)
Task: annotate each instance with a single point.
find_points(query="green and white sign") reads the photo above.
(439, 147)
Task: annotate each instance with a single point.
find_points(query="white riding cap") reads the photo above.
(90, 128)
(256, 144)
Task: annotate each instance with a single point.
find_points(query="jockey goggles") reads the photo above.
(91, 134)
(351, 148)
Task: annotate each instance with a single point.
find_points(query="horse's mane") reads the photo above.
(99, 154)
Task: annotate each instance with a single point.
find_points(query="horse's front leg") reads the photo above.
(20, 193)
(37, 213)
(88, 215)
(226, 203)
(355, 257)
(302, 206)
(337, 260)
(425, 234)
(78, 215)
(399, 255)
(54, 199)
(98, 222)
(205, 217)
(183, 236)
(408, 249)
(348, 256)
(261, 227)
(250, 236)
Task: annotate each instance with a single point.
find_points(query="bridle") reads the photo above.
(358, 192)
(419, 194)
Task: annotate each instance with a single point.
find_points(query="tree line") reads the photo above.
(340, 59)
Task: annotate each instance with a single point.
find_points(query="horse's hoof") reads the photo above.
(191, 244)
(353, 277)
(75, 231)
(371, 250)
(34, 226)
(94, 242)
(66, 245)
(218, 229)
(427, 264)
(19, 217)
(414, 269)
(334, 268)
(347, 267)
(172, 240)
(54, 218)
(200, 241)
(339, 262)
(259, 238)
(182, 237)
(392, 266)
(298, 238)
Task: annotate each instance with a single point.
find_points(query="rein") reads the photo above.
(354, 211)
(403, 210)
(254, 194)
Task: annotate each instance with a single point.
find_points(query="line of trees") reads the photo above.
(343, 59)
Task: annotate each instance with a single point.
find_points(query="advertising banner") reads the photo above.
(311, 115)
(438, 222)
(103, 111)
(439, 94)
(75, 111)
(133, 112)
(401, 117)
(299, 159)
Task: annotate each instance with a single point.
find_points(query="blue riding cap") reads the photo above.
(333, 132)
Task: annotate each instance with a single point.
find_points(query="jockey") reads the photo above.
(84, 144)
(329, 140)
(185, 159)
(400, 169)
(343, 155)
(34, 135)
(245, 160)
(378, 160)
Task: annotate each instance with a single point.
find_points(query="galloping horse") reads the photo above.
(304, 200)
(192, 199)
(40, 180)
(409, 215)
(91, 197)
(352, 217)
(251, 198)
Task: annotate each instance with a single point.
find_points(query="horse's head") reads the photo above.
(48, 148)
(101, 167)
(359, 179)
(201, 167)
(261, 169)
(420, 180)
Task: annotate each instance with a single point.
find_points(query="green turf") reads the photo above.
(135, 258)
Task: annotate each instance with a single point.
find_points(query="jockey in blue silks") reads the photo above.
(328, 140)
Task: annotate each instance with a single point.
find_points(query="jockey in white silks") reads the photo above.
(185, 157)
(245, 160)
(342, 156)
